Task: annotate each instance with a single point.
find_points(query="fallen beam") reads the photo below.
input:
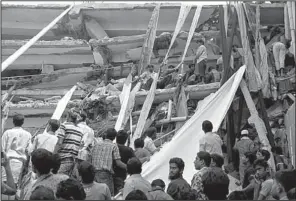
(196, 92)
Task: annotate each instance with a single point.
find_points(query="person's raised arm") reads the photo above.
(9, 188)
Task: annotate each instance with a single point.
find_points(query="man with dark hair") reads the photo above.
(202, 163)
(248, 180)
(136, 195)
(210, 142)
(169, 79)
(146, 77)
(15, 143)
(217, 160)
(201, 58)
(263, 154)
(150, 134)
(215, 183)
(103, 156)
(245, 144)
(126, 153)
(285, 180)
(263, 181)
(46, 140)
(157, 193)
(88, 136)
(135, 181)
(212, 76)
(69, 139)
(70, 189)
(178, 184)
(41, 166)
(142, 154)
(42, 193)
(93, 190)
(190, 78)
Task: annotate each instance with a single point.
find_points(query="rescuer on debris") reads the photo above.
(201, 59)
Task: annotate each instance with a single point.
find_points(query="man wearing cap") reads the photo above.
(244, 145)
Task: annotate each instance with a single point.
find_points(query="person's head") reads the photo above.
(56, 163)
(217, 160)
(176, 168)
(158, 183)
(292, 194)
(73, 115)
(136, 195)
(53, 125)
(191, 67)
(200, 42)
(211, 68)
(150, 68)
(245, 133)
(207, 126)
(285, 180)
(263, 154)
(42, 193)
(237, 195)
(249, 158)
(121, 137)
(139, 143)
(134, 166)
(262, 169)
(18, 120)
(70, 189)
(86, 172)
(151, 132)
(278, 141)
(215, 183)
(83, 116)
(111, 134)
(203, 159)
(171, 67)
(41, 161)
(288, 44)
(277, 150)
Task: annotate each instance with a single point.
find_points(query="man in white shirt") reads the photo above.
(210, 142)
(149, 145)
(15, 143)
(47, 140)
(88, 134)
(201, 59)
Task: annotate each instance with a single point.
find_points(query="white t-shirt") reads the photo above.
(46, 141)
(149, 145)
(88, 134)
(201, 53)
(211, 143)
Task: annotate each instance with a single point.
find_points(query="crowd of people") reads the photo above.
(68, 162)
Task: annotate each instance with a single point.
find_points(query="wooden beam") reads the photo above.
(149, 40)
(20, 51)
(117, 40)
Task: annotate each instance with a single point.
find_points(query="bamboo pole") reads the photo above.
(257, 59)
(24, 48)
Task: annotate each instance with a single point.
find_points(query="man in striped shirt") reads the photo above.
(69, 139)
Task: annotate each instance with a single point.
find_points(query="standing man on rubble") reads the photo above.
(201, 59)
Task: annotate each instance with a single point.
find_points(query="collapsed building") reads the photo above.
(96, 47)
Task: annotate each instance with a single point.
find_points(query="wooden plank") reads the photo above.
(117, 40)
(257, 121)
(94, 29)
(261, 58)
(47, 51)
(149, 40)
(124, 103)
(190, 34)
(253, 76)
(182, 110)
(184, 11)
(145, 110)
(59, 61)
(45, 44)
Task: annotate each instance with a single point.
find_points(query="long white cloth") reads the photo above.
(185, 143)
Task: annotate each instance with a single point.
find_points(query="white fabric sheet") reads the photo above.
(185, 143)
